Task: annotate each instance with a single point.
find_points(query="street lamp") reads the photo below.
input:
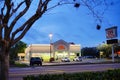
(50, 35)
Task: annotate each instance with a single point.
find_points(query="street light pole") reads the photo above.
(50, 35)
(113, 60)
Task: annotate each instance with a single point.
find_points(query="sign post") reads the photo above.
(111, 34)
(113, 59)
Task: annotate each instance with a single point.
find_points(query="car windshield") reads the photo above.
(35, 58)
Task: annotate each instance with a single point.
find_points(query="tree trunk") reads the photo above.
(4, 65)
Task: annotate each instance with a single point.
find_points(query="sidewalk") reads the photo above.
(84, 61)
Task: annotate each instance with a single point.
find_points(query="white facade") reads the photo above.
(56, 50)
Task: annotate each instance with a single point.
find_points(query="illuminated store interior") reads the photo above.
(56, 50)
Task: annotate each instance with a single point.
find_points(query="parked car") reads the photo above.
(65, 59)
(35, 60)
(77, 59)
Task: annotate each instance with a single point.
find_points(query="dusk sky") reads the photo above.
(72, 25)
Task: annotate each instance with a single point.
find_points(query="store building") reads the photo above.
(56, 50)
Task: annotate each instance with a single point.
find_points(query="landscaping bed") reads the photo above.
(99, 75)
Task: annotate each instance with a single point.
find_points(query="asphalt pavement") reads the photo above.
(72, 63)
(84, 61)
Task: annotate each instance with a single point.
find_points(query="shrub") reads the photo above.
(105, 75)
(20, 65)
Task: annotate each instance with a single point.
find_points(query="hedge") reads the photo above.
(101, 75)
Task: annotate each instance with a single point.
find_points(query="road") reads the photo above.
(18, 73)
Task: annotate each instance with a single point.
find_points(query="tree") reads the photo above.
(90, 51)
(11, 11)
(19, 47)
(106, 49)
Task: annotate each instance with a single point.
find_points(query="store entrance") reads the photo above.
(60, 54)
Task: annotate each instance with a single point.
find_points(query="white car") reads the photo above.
(66, 59)
(77, 59)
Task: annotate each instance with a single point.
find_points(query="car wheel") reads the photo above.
(31, 64)
(40, 64)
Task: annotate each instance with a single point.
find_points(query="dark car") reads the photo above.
(35, 60)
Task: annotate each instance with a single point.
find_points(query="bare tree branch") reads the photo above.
(7, 16)
(1, 27)
(18, 17)
(2, 9)
(26, 26)
(59, 4)
(92, 10)
(16, 9)
(24, 31)
(1, 22)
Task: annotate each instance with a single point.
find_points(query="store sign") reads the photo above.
(111, 32)
(111, 35)
(61, 47)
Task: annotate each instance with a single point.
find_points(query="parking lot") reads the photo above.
(84, 61)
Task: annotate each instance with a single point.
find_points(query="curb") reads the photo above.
(87, 63)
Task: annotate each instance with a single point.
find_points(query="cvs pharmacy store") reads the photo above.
(56, 50)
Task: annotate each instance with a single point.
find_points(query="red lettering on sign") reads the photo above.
(61, 47)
